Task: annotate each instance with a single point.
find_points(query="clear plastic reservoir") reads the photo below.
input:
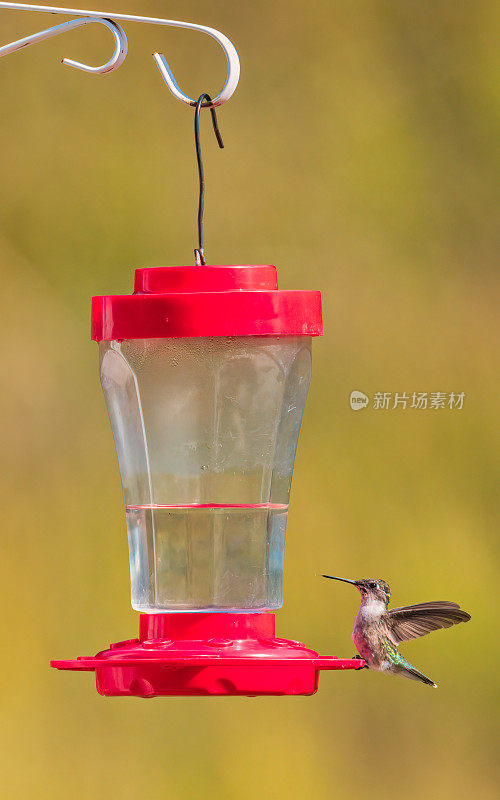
(206, 431)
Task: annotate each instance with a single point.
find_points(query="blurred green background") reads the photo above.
(360, 153)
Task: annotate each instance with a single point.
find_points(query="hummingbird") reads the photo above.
(378, 630)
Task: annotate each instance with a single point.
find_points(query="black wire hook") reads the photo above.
(198, 253)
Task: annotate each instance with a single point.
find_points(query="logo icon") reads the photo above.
(358, 400)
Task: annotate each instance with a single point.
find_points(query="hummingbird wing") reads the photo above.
(409, 622)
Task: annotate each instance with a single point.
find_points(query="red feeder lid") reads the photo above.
(207, 654)
(206, 301)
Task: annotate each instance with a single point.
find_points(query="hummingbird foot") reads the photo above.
(360, 658)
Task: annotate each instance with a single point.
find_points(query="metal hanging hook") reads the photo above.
(118, 57)
(199, 255)
(108, 18)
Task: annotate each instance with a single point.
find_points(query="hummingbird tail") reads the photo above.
(414, 675)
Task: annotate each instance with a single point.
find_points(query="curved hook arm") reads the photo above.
(118, 57)
(233, 69)
(233, 62)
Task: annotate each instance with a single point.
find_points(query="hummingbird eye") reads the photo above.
(372, 585)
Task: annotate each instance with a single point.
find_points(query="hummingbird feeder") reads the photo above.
(205, 371)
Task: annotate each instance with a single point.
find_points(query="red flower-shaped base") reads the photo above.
(207, 654)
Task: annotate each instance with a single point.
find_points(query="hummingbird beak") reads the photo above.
(344, 580)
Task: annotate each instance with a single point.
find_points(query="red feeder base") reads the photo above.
(207, 654)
